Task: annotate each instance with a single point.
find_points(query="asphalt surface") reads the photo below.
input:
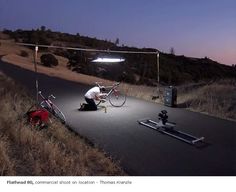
(140, 150)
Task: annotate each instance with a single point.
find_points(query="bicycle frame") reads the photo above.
(47, 100)
(112, 90)
(51, 107)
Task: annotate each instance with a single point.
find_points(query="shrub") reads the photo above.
(49, 60)
(24, 53)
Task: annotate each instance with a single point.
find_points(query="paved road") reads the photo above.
(142, 151)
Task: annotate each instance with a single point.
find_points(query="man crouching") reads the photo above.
(91, 95)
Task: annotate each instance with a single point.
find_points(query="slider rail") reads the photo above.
(168, 129)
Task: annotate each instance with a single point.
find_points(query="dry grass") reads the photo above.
(216, 99)
(53, 151)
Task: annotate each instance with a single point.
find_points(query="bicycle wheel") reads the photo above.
(58, 114)
(117, 98)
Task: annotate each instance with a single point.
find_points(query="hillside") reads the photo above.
(216, 99)
(137, 68)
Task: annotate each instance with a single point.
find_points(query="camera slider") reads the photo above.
(168, 128)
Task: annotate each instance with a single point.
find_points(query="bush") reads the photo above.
(24, 53)
(49, 60)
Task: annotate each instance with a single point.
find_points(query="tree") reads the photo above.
(117, 42)
(49, 60)
(172, 51)
(43, 28)
(24, 53)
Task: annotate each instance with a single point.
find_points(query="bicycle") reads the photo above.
(47, 104)
(116, 98)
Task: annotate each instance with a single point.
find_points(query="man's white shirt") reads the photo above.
(92, 93)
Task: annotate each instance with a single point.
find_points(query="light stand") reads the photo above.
(36, 72)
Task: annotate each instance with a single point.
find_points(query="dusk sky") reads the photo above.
(196, 28)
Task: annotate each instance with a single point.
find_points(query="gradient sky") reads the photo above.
(196, 28)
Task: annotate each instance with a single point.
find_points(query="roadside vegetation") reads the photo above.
(216, 99)
(55, 151)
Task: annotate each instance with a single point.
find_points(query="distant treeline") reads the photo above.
(137, 68)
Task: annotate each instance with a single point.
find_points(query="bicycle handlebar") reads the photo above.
(52, 96)
(115, 84)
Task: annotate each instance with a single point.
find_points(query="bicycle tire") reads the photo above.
(54, 110)
(117, 98)
(58, 113)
